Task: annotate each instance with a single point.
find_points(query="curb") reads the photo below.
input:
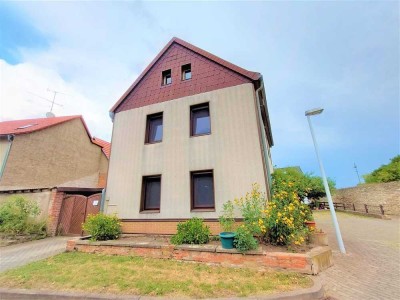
(312, 293)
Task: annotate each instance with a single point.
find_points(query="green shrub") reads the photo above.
(17, 216)
(102, 227)
(193, 231)
(227, 219)
(244, 240)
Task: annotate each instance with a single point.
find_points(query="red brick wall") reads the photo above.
(54, 211)
(206, 76)
(291, 261)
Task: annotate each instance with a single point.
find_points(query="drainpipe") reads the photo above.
(111, 114)
(263, 136)
(103, 196)
(10, 139)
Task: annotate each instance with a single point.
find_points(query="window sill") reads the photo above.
(192, 136)
(151, 143)
(152, 211)
(203, 210)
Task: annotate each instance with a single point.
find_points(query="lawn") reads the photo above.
(97, 273)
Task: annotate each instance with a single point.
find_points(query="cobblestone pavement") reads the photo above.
(371, 267)
(21, 254)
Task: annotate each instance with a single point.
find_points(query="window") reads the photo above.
(202, 190)
(166, 77)
(186, 72)
(154, 128)
(200, 119)
(151, 193)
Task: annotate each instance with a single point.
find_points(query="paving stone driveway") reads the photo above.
(371, 267)
(21, 254)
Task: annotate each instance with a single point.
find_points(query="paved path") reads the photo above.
(371, 267)
(21, 254)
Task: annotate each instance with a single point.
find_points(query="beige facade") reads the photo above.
(56, 156)
(232, 151)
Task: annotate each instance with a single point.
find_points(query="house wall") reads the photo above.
(43, 199)
(232, 150)
(52, 156)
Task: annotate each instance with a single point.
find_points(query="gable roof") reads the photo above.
(26, 126)
(248, 74)
(105, 146)
(30, 125)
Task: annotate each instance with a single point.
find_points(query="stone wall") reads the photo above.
(373, 194)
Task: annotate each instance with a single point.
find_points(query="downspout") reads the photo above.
(103, 196)
(263, 136)
(10, 139)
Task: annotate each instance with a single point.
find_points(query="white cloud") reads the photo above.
(23, 87)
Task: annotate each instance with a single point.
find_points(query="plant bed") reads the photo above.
(210, 253)
(6, 240)
(146, 276)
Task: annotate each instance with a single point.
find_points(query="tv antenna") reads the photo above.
(54, 98)
(358, 175)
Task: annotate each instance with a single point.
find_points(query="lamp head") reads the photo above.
(315, 111)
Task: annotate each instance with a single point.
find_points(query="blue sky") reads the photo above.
(342, 56)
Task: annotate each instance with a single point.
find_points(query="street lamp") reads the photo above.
(308, 114)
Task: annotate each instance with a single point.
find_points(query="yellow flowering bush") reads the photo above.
(286, 214)
(252, 208)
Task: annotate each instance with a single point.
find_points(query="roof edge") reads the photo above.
(254, 76)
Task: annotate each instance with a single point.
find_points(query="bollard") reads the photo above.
(382, 211)
(366, 208)
(354, 207)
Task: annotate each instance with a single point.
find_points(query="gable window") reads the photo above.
(151, 193)
(166, 77)
(186, 72)
(200, 119)
(154, 128)
(202, 190)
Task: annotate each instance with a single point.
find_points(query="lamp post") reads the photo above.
(308, 114)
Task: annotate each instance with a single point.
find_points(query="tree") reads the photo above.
(385, 173)
(306, 185)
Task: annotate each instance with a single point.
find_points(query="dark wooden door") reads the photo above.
(78, 215)
(74, 211)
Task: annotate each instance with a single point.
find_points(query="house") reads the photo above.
(191, 133)
(52, 161)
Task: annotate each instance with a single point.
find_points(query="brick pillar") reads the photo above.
(54, 211)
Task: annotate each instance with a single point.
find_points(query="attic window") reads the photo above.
(186, 72)
(26, 126)
(166, 77)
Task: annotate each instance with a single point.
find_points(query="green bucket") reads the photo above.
(227, 239)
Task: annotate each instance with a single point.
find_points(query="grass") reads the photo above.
(97, 273)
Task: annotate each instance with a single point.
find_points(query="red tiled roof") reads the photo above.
(249, 74)
(105, 146)
(31, 125)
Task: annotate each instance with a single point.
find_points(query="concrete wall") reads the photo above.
(51, 157)
(43, 199)
(387, 194)
(233, 151)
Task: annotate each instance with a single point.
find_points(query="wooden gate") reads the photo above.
(74, 211)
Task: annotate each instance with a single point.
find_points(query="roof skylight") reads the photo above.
(26, 126)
